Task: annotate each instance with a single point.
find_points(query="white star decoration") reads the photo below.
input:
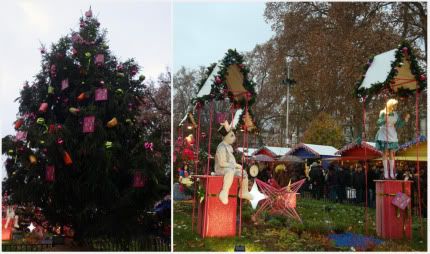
(256, 196)
(31, 227)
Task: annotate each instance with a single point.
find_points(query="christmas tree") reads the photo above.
(83, 152)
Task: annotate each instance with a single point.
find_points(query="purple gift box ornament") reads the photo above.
(401, 200)
(100, 59)
(21, 135)
(64, 84)
(88, 126)
(50, 173)
(101, 94)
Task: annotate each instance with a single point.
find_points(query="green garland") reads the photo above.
(386, 85)
(218, 87)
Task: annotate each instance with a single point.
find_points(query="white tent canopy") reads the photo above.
(379, 69)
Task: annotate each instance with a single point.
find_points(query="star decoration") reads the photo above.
(279, 200)
(31, 227)
(256, 196)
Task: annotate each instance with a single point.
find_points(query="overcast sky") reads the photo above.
(203, 32)
(135, 29)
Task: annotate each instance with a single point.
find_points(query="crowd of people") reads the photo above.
(340, 183)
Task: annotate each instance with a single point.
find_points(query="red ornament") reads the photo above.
(422, 77)
(241, 66)
(53, 70)
(50, 173)
(405, 50)
(89, 13)
(18, 123)
(88, 126)
(279, 200)
(133, 70)
(60, 141)
(67, 159)
(101, 94)
(74, 51)
(138, 180)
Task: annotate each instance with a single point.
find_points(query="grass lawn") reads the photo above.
(274, 233)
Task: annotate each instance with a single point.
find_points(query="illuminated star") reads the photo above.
(31, 227)
(280, 200)
(256, 196)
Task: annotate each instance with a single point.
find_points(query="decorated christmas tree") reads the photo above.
(82, 152)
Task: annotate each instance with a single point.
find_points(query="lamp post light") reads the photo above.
(288, 82)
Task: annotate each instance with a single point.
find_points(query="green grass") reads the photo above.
(275, 233)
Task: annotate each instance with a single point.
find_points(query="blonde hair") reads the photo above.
(389, 106)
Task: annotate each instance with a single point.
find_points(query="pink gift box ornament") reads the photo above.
(50, 173)
(138, 180)
(100, 59)
(64, 84)
(101, 94)
(21, 135)
(43, 107)
(88, 126)
(401, 200)
(221, 117)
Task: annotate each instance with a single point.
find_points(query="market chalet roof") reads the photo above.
(380, 68)
(320, 150)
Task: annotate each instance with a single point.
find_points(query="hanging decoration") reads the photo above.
(32, 159)
(138, 180)
(280, 201)
(82, 97)
(64, 84)
(21, 135)
(19, 123)
(101, 94)
(112, 123)
(67, 159)
(50, 173)
(43, 107)
(74, 110)
(149, 146)
(88, 126)
(99, 60)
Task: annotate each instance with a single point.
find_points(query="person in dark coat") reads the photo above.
(372, 175)
(343, 179)
(332, 183)
(359, 184)
(317, 180)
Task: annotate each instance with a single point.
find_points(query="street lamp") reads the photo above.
(288, 82)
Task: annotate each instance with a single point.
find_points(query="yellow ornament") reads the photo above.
(112, 123)
(32, 159)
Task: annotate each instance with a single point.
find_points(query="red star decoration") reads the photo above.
(280, 201)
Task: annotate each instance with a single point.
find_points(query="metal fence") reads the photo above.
(140, 244)
(25, 247)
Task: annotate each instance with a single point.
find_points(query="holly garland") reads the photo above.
(416, 70)
(219, 89)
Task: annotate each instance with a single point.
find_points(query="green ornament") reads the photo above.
(87, 54)
(120, 75)
(128, 120)
(42, 141)
(142, 77)
(108, 144)
(10, 152)
(119, 91)
(40, 120)
(50, 90)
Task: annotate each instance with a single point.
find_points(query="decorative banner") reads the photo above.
(101, 94)
(43, 107)
(88, 126)
(21, 135)
(100, 59)
(221, 117)
(64, 84)
(50, 173)
(138, 180)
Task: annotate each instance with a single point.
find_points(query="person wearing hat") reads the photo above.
(225, 164)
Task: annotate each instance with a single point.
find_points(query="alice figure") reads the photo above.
(225, 165)
(386, 137)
